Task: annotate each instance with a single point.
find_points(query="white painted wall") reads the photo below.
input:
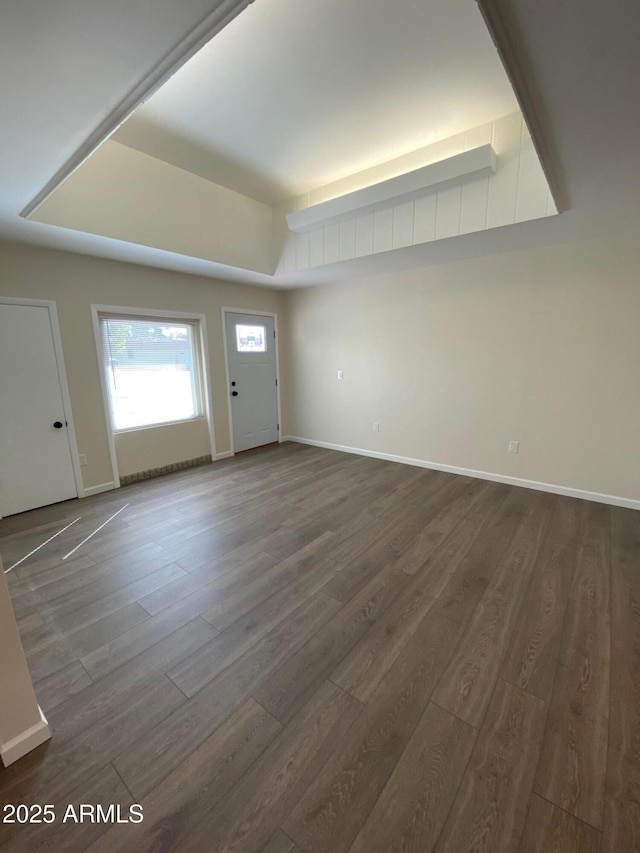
(455, 361)
(127, 195)
(516, 193)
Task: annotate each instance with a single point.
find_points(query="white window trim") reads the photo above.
(197, 379)
(156, 313)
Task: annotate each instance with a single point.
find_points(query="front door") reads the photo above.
(251, 351)
(36, 467)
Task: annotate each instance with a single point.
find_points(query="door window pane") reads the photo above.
(251, 338)
(152, 369)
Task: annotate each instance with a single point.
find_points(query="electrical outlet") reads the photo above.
(514, 446)
(341, 374)
(83, 458)
(376, 426)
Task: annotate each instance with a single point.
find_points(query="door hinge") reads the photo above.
(274, 333)
(276, 381)
(278, 427)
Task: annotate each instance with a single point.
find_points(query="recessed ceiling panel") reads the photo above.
(294, 95)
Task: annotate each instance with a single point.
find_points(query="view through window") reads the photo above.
(250, 338)
(153, 371)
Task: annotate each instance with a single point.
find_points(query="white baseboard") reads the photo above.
(226, 455)
(25, 742)
(96, 490)
(614, 500)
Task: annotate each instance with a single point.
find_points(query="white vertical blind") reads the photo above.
(153, 370)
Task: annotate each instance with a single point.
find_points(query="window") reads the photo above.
(153, 370)
(251, 338)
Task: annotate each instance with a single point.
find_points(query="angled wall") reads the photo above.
(517, 192)
(127, 195)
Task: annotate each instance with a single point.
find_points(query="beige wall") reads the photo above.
(144, 449)
(19, 710)
(454, 361)
(75, 282)
(122, 193)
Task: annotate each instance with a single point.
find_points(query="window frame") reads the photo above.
(200, 341)
(196, 373)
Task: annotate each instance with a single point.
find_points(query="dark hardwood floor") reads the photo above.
(302, 650)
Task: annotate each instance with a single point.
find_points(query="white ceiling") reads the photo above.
(291, 96)
(65, 67)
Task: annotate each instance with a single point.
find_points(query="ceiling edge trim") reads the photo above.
(475, 163)
(504, 37)
(224, 13)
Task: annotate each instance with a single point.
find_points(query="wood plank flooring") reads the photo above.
(303, 651)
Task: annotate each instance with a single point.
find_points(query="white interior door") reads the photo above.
(36, 466)
(251, 352)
